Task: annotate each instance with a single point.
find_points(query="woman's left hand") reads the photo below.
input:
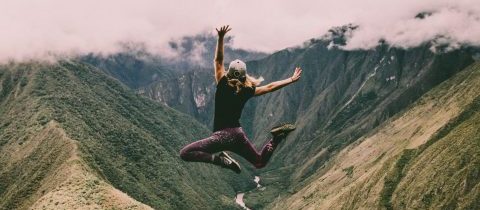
(296, 74)
(223, 30)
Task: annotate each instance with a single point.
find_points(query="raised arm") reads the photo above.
(278, 84)
(218, 61)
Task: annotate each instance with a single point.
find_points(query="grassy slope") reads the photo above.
(325, 125)
(382, 170)
(326, 122)
(38, 158)
(123, 140)
(445, 173)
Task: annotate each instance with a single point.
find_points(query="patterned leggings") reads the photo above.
(228, 139)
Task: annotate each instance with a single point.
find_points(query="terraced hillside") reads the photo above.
(70, 136)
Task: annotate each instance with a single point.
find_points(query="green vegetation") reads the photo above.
(445, 161)
(348, 171)
(394, 177)
(361, 102)
(446, 149)
(257, 199)
(130, 141)
(446, 168)
(425, 157)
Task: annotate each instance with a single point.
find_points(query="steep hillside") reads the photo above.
(190, 92)
(344, 94)
(71, 136)
(134, 68)
(426, 157)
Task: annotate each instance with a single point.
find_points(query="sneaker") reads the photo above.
(282, 130)
(228, 162)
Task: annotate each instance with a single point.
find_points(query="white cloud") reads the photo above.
(456, 22)
(32, 29)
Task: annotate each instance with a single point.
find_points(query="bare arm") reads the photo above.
(278, 84)
(218, 61)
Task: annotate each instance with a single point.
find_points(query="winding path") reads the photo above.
(239, 197)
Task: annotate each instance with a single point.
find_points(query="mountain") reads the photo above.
(71, 137)
(342, 96)
(189, 92)
(426, 157)
(135, 68)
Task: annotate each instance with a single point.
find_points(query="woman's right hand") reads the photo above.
(296, 74)
(223, 30)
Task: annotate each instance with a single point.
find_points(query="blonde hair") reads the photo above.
(249, 82)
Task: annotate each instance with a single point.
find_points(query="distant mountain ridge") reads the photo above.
(136, 67)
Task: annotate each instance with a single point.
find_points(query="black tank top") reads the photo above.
(229, 104)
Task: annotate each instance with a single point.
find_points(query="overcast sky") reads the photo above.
(35, 28)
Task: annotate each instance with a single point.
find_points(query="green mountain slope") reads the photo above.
(134, 69)
(425, 157)
(70, 135)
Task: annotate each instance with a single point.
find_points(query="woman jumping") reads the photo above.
(233, 90)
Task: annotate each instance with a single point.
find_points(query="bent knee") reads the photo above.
(184, 154)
